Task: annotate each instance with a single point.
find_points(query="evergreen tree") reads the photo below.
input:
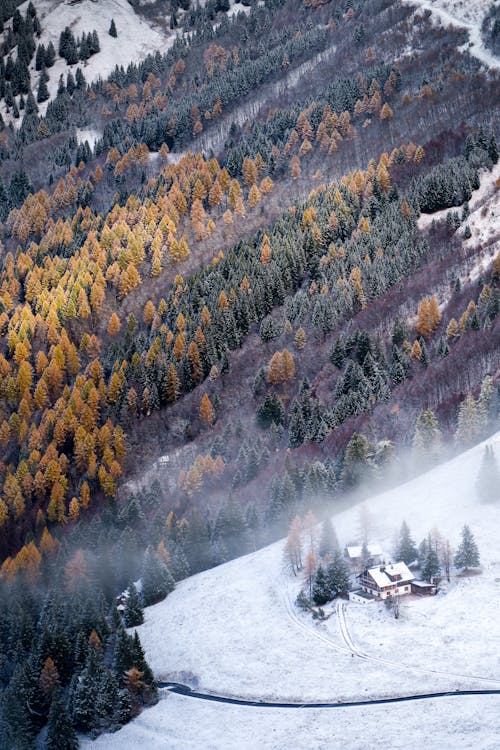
(488, 481)
(86, 691)
(321, 592)
(467, 554)
(431, 569)
(328, 544)
(112, 29)
(43, 92)
(427, 437)
(338, 575)
(60, 732)
(157, 581)
(406, 550)
(467, 423)
(133, 614)
(355, 461)
(50, 55)
(271, 411)
(67, 46)
(297, 427)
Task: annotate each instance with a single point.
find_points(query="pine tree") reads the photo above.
(133, 614)
(320, 592)
(467, 423)
(338, 575)
(355, 461)
(112, 29)
(488, 480)
(427, 437)
(157, 581)
(329, 543)
(60, 732)
(431, 569)
(406, 550)
(467, 554)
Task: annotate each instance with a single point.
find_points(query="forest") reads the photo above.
(237, 275)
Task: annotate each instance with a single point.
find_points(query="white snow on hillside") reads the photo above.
(483, 221)
(136, 38)
(178, 723)
(466, 14)
(234, 631)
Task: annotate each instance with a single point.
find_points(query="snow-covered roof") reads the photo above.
(387, 575)
(373, 549)
(422, 584)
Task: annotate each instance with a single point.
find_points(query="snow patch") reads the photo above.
(91, 135)
(467, 14)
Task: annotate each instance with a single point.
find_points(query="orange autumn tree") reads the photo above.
(428, 317)
(207, 412)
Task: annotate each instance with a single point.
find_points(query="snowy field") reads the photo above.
(178, 723)
(467, 14)
(234, 631)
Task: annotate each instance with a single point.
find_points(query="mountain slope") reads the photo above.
(136, 38)
(234, 630)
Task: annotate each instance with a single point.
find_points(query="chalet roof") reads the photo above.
(387, 575)
(355, 551)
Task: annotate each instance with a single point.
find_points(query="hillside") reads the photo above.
(249, 272)
(235, 631)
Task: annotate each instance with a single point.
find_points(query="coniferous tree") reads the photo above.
(432, 568)
(60, 732)
(321, 592)
(157, 582)
(467, 554)
(328, 544)
(467, 423)
(427, 437)
(112, 29)
(356, 465)
(406, 550)
(133, 614)
(338, 575)
(488, 481)
(43, 92)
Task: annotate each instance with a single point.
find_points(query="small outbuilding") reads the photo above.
(354, 554)
(423, 588)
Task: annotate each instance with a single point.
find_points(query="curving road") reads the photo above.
(176, 687)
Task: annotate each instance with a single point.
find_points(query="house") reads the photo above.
(423, 588)
(383, 581)
(355, 553)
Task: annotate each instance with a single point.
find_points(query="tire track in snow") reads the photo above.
(290, 610)
(346, 637)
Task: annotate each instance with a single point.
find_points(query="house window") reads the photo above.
(407, 588)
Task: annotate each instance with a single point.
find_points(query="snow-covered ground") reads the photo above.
(234, 631)
(178, 723)
(91, 135)
(136, 37)
(487, 193)
(467, 14)
(483, 221)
